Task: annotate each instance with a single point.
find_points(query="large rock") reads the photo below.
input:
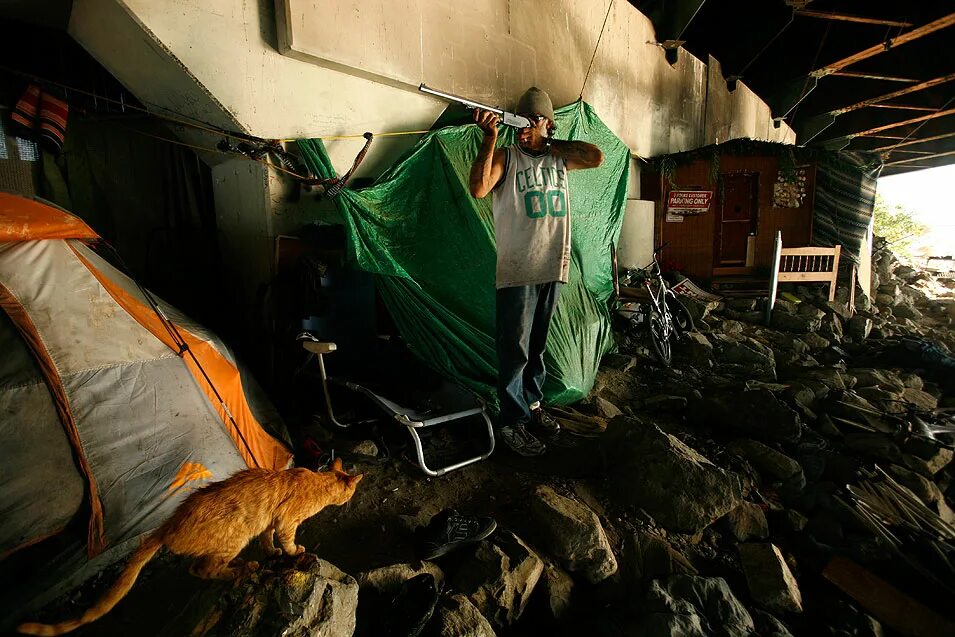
(851, 406)
(906, 311)
(746, 522)
(769, 626)
(388, 579)
(756, 413)
(859, 327)
(572, 533)
(700, 310)
(681, 489)
(499, 578)
(882, 378)
(926, 458)
(687, 605)
(557, 587)
(312, 598)
(794, 322)
(740, 350)
(921, 399)
(925, 489)
(831, 328)
(773, 465)
(770, 581)
(456, 616)
(648, 557)
(697, 348)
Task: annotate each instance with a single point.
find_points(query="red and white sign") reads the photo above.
(689, 202)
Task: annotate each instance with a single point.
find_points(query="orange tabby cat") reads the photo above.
(216, 522)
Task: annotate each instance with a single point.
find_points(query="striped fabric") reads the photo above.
(25, 112)
(53, 112)
(41, 116)
(845, 196)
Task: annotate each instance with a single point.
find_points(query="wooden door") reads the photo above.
(736, 219)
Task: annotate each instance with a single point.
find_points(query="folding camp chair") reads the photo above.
(456, 404)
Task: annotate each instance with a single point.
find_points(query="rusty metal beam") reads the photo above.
(913, 152)
(897, 124)
(911, 159)
(905, 91)
(909, 142)
(891, 43)
(826, 15)
(904, 107)
(869, 76)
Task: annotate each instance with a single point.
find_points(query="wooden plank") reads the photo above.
(835, 273)
(886, 603)
(828, 15)
(809, 250)
(805, 276)
(890, 44)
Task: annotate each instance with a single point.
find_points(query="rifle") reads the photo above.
(508, 119)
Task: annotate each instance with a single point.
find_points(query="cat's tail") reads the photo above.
(112, 597)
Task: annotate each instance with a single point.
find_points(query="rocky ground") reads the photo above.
(784, 480)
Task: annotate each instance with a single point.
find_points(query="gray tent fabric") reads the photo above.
(29, 508)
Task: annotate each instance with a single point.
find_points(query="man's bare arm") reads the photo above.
(488, 167)
(578, 155)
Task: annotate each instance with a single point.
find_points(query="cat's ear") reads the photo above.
(351, 481)
(337, 465)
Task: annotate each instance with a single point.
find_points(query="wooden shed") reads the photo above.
(745, 192)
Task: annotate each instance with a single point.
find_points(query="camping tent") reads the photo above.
(114, 405)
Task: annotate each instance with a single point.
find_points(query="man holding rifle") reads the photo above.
(532, 230)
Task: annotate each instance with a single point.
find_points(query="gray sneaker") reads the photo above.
(521, 441)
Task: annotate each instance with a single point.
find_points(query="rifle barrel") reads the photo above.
(461, 100)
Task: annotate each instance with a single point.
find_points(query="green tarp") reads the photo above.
(432, 246)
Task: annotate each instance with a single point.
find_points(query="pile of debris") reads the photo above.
(826, 436)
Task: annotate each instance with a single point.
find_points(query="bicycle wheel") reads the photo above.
(682, 321)
(660, 339)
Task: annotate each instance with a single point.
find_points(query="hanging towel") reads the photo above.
(40, 115)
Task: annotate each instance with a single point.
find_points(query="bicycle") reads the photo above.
(665, 317)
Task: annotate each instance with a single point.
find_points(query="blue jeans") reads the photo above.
(523, 318)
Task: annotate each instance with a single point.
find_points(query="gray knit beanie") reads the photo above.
(536, 102)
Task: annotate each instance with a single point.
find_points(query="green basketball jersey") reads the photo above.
(532, 219)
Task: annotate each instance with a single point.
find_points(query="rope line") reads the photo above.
(597, 46)
(189, 121)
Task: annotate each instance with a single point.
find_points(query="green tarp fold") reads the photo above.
(432, 246)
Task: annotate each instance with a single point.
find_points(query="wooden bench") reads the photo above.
(801, 265)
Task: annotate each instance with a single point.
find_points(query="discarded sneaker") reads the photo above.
(521, 441)
(546, 428)
(412, 607)
(450, 530)
(543, 423)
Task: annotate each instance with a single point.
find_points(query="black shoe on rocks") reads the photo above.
(521, 441)
(547, 429)
(543, 424)
(449, 530)
(412, 608)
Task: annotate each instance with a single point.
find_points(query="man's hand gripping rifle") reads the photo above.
(508, 119)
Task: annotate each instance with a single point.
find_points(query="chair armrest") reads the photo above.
(316, 347)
